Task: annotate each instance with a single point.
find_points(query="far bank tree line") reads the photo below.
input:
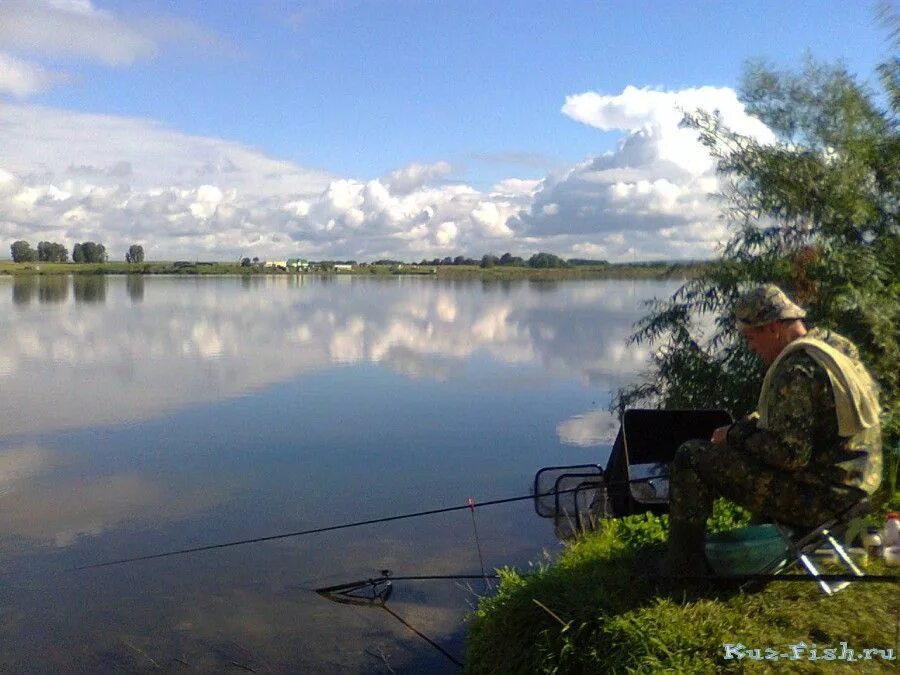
(91, 252)
(538, 260)
(84, 252)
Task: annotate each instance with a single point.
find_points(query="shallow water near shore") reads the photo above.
(145, 414)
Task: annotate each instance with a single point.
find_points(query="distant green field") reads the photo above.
(162, 267)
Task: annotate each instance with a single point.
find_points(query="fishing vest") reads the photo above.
(847, 445)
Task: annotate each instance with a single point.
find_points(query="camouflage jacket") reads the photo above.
(803, 429)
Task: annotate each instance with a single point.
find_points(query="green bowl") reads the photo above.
(746, 550)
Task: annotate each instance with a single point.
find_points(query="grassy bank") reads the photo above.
(623, 271)
(162, 267)
(596, 610)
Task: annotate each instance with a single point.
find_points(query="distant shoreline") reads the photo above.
(654, 270)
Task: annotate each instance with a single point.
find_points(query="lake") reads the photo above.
(146, 414)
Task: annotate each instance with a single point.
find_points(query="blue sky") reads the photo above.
(351, 91)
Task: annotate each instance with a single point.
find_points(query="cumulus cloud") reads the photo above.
(406, 180)
(651, 193)
(70, 176)
(635, 108)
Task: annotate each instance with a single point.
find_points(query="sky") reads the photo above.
(366, 129)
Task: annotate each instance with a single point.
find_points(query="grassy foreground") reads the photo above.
(596, 610)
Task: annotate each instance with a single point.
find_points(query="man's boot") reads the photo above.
(687, 550)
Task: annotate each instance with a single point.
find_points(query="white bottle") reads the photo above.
(890, 535)
(872, 542)
(892, 556)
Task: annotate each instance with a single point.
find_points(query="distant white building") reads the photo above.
(277, 264)
(341, 267)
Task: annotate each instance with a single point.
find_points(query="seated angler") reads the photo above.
(812, 449)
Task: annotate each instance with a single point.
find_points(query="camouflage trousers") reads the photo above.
(702, 471)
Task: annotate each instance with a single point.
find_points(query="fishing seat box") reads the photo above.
(645, 446)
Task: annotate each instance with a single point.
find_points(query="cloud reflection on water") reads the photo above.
(597, 427)
(109, 447)
(145, 349)
(39, 503)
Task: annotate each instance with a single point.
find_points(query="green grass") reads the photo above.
(597, 609)
(160, 267)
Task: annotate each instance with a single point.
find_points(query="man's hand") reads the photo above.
(720, 435)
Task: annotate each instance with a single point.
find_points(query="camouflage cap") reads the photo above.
(765, 304)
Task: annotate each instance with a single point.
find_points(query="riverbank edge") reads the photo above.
(612, 271)
(596, 608)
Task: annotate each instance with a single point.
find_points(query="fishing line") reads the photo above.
(379, 591)
(316, 530)
(360, 523)
(478, 542)
(422, 635)
(344, 526)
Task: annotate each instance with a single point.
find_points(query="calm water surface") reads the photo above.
(140, 415)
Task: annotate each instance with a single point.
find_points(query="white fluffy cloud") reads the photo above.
(406, 180)
(70, 177)
(636, 108)
(651, 194)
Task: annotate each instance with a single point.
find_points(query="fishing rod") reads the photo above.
(470, 504)
(301, 533)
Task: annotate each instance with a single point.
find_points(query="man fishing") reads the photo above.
(810, 451)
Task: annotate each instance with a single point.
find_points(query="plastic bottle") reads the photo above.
(890, 535)
(892, 556)
(872, 542)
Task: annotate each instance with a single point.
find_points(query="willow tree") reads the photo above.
(815, 212)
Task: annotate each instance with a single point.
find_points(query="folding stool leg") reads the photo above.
(796, 554)
(842, 554)
(796, 549)
(814, 573)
